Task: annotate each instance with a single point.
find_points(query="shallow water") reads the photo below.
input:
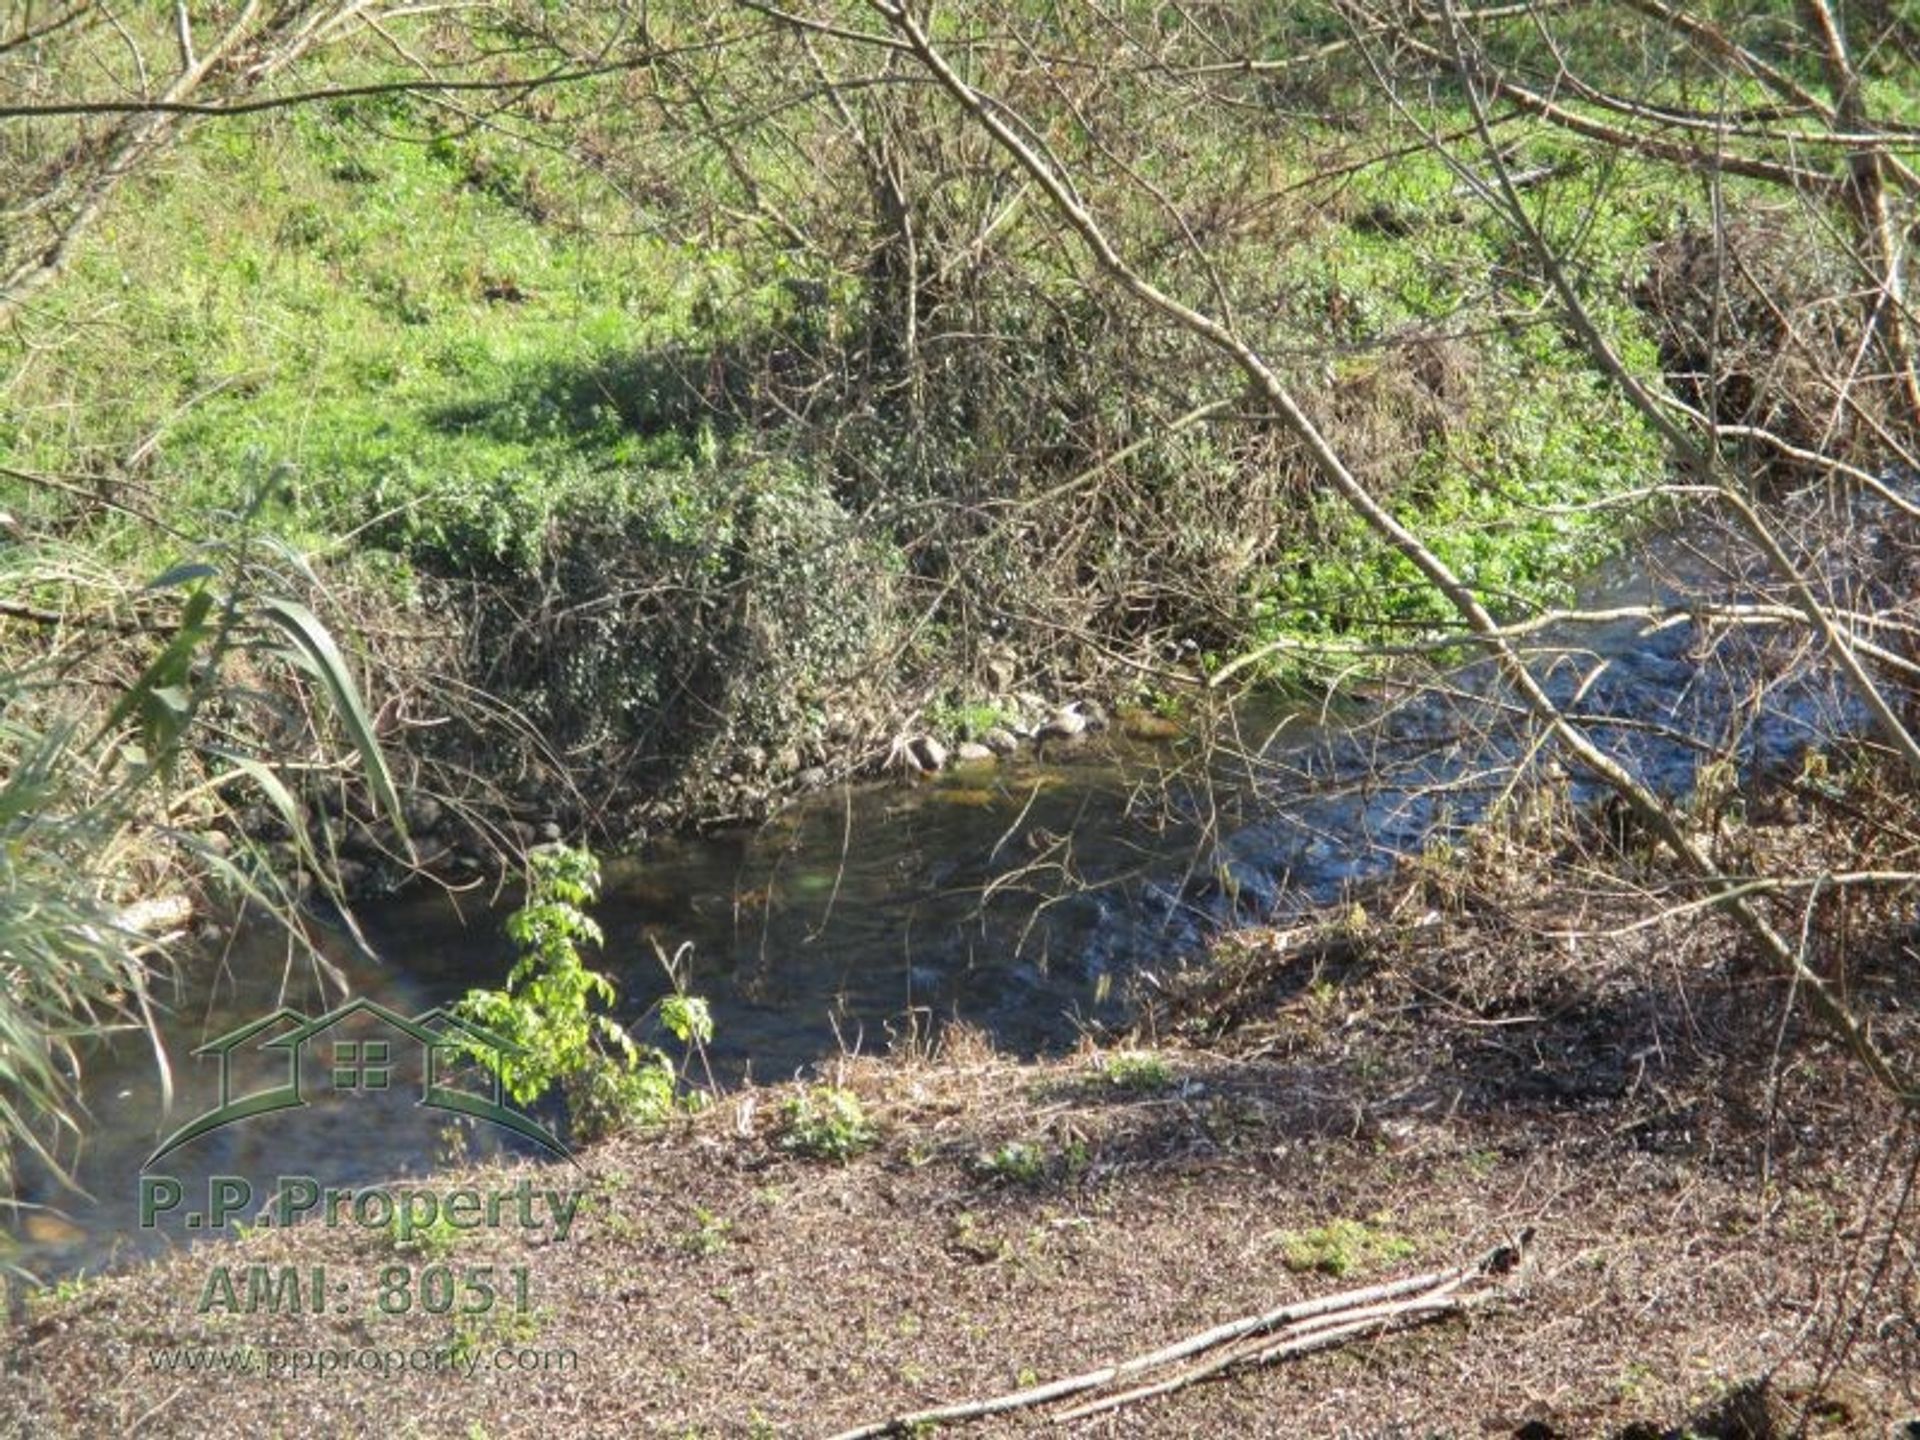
(1023, 899)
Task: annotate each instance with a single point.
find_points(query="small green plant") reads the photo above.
(1341, 1247)
(1321, 1001)
(1632, 1384)
(1015, 1162)
(434, 1241)
(710, 1235)
(1139, 1070)
(826, 1123)
(68, 1288)
(473, 1332)
(966, 720)
(547, 1010)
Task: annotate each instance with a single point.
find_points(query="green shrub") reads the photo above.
(547, 1011)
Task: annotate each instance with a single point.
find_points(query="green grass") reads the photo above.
(450, 344)
(428, 357)
(1533, 431)
(453, 346)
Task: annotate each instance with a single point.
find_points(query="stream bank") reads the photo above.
(1435, 1009)
(1328, 1108)
(1038, 901)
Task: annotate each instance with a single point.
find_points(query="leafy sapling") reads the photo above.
(547, 1010)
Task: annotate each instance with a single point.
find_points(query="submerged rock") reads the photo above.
(1144, 725)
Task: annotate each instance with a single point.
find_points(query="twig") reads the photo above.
(1323, 1336)
(1253, 1340)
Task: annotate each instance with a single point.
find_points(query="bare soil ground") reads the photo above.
(1720, 1206)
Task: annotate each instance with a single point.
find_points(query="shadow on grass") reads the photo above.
(650, 393)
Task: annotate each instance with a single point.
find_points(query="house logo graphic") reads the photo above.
(362, 1065)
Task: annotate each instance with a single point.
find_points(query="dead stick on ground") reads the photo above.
(1379, 1320)
(1310, 1325)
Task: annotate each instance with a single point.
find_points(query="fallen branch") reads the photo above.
(1254, 1340)
(1376, 1320)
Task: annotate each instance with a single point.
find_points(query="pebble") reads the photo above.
(1066, 724)
(973, 752)
(1000, 740)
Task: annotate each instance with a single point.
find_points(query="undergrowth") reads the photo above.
(691, 502)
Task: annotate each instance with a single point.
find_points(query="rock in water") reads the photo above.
(1000, 740)
(1144, 725)
(1067, 724)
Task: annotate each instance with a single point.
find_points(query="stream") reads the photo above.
(1023, 899)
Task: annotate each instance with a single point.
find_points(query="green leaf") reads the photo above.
(184, 573)
(324, 659)
(687, 1018)
(171, 697)
(278, 796)
(159, 697)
